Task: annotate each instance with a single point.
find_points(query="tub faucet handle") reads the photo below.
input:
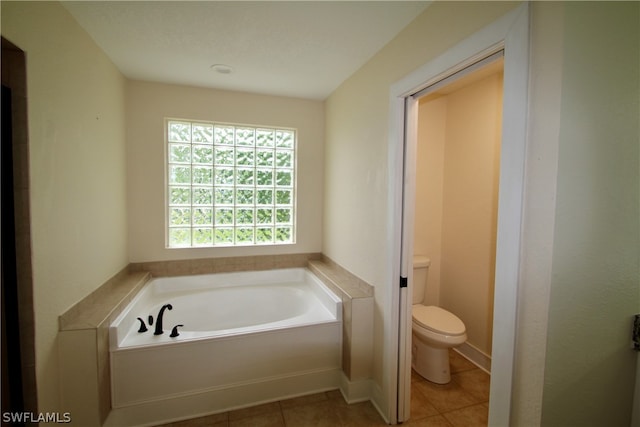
(143, 327)
(174, 331)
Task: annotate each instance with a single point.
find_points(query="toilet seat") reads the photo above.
(437, 320)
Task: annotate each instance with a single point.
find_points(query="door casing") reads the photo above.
(511, 34)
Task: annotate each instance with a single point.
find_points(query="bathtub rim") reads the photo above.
(330, 300)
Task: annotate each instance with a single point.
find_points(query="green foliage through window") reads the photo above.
(229, 185)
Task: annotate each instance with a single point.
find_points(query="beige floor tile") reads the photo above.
(254, 411)
(476, 382)
(421, 407)
(472, 416)
(445, 397)
(362, 414)
(271, 419)
(459, 363)
(461, 403)
(304, 400)
(217, 420)
(336, 398)
(334, 394)
(317, 414)
(432, 421)
(415, 376)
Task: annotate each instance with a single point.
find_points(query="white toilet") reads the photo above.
(435, 330)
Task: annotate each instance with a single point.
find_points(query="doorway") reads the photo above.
(19, 393)
(456, 201)
(509, 34)
(12, 400)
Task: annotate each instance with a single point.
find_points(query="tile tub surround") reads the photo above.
(357, 320)
(224, 265)
(84, 341)
(83, 346)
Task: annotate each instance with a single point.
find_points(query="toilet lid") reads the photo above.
(437, 319)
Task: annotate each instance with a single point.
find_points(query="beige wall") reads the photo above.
(432, 123)
(539, 207)
(77, 134)
(595, 279)
(148, 104)
(564, 116)
(356, 223)
(77, 170)
(465, 137)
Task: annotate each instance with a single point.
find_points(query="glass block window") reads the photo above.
(229, 184)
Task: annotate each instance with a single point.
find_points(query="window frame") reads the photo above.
(218, 176)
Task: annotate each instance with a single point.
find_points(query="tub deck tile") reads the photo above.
(100, 306)
(340, 280)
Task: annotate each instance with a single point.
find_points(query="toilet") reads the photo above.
(434, 330)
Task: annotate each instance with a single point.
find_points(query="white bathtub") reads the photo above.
(248, 337)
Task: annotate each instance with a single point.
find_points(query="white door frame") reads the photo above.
(511, 34)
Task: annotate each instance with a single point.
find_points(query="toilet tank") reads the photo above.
(420, 272)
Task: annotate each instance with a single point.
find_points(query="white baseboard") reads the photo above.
(377, 397)
(242, 395)
(221, 400)
(355, 391)
(475, 356)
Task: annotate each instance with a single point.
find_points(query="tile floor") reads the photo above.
(463, 402)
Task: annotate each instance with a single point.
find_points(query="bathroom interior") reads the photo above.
(144, 238)
(89, 133)
(146, 102)
(457, 171)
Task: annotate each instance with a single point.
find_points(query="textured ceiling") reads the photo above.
(303, 49)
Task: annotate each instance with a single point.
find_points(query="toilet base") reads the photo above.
(430, 363)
